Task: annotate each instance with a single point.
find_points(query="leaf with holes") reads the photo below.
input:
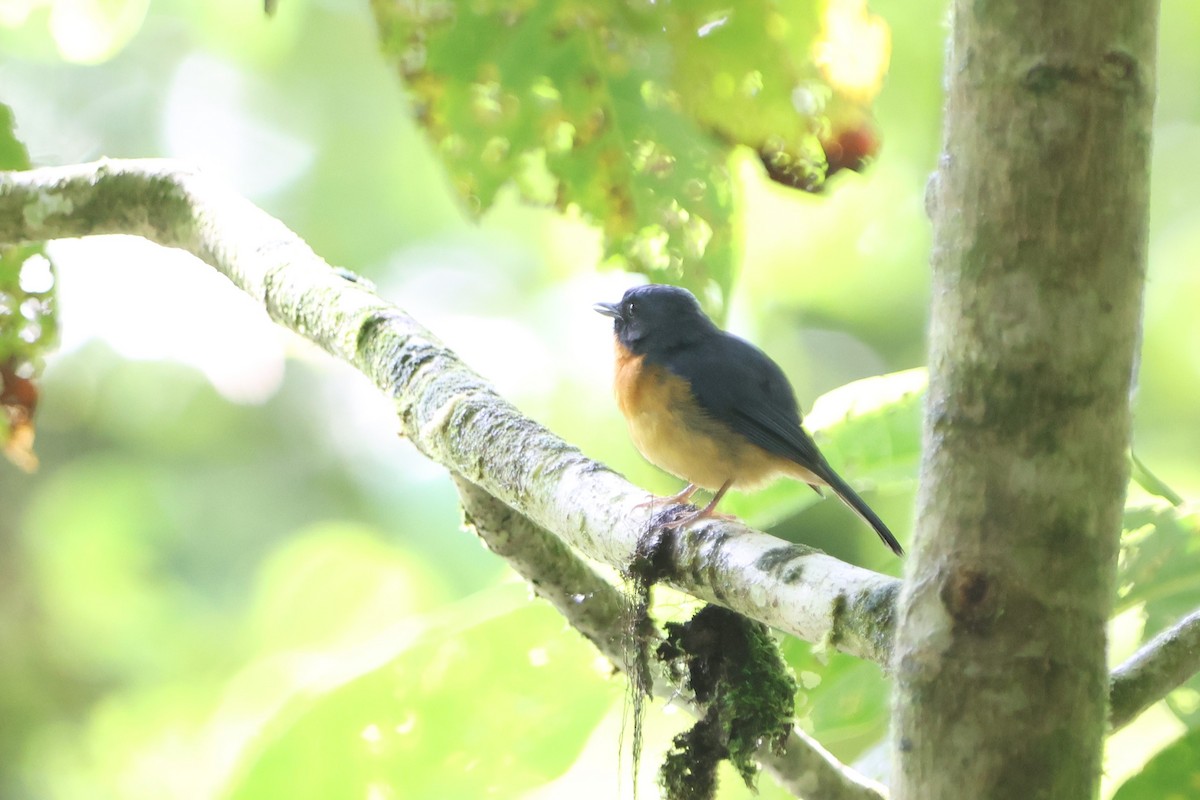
(627, 112)
(28, 325)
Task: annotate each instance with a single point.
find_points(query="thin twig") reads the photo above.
(1160, 666)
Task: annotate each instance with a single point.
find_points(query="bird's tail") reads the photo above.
(860, 507)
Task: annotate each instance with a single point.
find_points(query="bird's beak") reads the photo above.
(608, 309)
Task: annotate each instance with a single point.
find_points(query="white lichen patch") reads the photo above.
(45, 206)
(440, 419)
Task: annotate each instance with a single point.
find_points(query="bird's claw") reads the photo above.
(693, 517)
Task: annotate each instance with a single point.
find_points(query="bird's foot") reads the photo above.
(696, 516)
(661, 502)
(688, 518)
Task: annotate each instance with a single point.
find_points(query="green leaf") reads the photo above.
(13, 154)
(1142, 476)
(28, 322)
(842, 700)
(1173, 774)
(1159, 564)
(491, 698)
(626, 113)
(872, 427)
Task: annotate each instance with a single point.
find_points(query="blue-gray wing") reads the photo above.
(738, 384)
(735, 382)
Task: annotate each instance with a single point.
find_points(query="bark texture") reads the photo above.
(1039, 208)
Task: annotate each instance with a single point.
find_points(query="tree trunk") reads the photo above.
(1039, 208)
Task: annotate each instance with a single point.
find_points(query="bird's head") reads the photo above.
(656, 317)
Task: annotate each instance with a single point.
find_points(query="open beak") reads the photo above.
(608, 309)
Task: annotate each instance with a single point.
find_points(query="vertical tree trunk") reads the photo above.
(1039, 207)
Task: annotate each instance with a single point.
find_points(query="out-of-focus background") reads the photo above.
(230, 577)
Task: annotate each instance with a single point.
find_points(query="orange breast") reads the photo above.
(674, 433)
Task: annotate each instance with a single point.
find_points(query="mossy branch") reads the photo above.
(598, 610)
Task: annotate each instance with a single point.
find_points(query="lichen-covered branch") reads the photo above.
(592, 605)
(808, 770)
(1162, 664)
(597, 609)
(445, 409)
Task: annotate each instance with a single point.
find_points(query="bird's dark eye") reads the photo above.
(630, 308)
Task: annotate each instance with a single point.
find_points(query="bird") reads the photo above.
(711, 408)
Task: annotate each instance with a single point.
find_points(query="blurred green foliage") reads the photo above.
(264, 593)
(625, 113)
(1174, 774)
(427, 708)
(27, 320)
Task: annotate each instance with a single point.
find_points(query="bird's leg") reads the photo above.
(704, 513)
(682, 497)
